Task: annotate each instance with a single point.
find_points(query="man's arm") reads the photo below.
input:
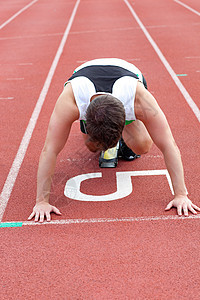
(148, 111)
(64, 114)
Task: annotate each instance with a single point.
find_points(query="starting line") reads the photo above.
(98, 220)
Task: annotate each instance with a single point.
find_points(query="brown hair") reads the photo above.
(105, 119)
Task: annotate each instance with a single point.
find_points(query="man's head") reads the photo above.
(105, 119)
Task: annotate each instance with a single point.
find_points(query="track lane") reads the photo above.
(190, 5)
(24, 63)
(184, 58)
(185, 128)
(16, 14)
(76, 139)
(71, 160)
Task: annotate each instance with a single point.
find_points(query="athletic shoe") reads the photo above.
(125, 152)
(108, 158)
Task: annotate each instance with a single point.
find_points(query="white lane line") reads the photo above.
(157, 26)
(180, 86)
(15, 79)
(6, 98)
(192, 57)
(17, 14)
(10, 181)
(30, 36)
(100, 220)
(133, 59)
(71, 33)
(113, 220)
(19, 64)
(25, 64)
(188, 7)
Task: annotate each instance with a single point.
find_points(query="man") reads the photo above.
(110, 99)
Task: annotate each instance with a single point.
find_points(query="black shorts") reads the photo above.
(83, 126)
(83, 123)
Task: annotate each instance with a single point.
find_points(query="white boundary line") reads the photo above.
(14, 170)
(17, 14)
(112, 220)
(188, 7)
(99, 220)
(180, 86)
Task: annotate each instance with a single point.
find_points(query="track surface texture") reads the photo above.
(129, 248)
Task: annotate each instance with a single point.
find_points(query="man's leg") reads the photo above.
(125, 152)
(137, 137)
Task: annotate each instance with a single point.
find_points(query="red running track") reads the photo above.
(138, 259)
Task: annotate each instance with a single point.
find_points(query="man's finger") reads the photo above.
(192, 210)
(195, 207)
(41, 217)
(37, 216)
(185, 210)
(179, 210)
(48, 216)
(31, 215)
(56, 210)
(169, 206)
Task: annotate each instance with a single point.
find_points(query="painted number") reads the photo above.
(124, 185)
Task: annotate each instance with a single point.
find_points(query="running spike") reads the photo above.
(108, 158)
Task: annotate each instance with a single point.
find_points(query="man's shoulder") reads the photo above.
(141, 92)
(66, 102)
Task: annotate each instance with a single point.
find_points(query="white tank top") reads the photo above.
(106, 76)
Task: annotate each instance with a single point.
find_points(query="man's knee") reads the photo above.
(142, 146)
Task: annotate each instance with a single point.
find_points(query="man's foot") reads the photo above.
(108, 158)
(125, 152)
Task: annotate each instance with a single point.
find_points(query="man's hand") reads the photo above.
(183, 203)
(42, 210)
